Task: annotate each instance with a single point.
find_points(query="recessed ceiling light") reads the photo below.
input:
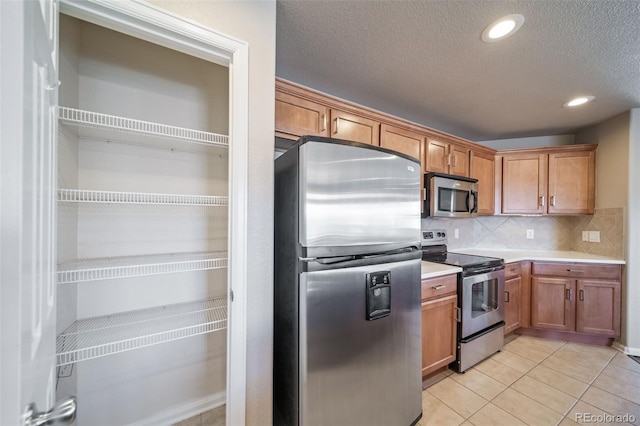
(581, 100)
(502, 28)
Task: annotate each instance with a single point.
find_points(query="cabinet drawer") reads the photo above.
(512, 270)
(576, 270)
(440, 286)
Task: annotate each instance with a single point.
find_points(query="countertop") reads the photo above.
(542, 255)
(431, 270)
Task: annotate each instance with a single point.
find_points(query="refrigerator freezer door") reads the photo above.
(355, 199)
(355, 370)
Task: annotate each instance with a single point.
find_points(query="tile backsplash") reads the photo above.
(550, 232)
(609, 222)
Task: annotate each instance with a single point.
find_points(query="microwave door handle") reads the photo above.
(475, 202)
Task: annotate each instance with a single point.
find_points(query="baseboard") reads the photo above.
(184, 411)
(589, 339)
(625, 349)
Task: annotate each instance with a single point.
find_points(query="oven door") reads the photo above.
(482, 302)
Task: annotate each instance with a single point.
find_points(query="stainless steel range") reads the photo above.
(480, 299)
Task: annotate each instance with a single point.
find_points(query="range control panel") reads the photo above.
(434, 236)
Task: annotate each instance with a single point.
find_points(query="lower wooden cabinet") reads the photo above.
(598, 307)
(552, 303)
(439, 325)
(512, 289)
(582, 298)
(514, 300)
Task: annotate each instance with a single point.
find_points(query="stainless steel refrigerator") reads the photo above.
(347, 329)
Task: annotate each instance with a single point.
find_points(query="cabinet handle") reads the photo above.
(324, 122)
(457, 314)
(439, 287)
(448, 159)
(424, 194)
(552, 200)
(455, 160)
(575, 270)
(336, 130)
(542, 201)
(581, 295)
(506, 297)
(568, 294)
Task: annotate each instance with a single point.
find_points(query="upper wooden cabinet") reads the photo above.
(406, 142)
(559, 180)
(402, 140)
(296, 117)
(482, 167)
(524, 183)
(302, 111)
(572, 181)
(444, 156)
(352, 127)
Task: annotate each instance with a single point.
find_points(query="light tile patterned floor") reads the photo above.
(215, 417)
(537, 382)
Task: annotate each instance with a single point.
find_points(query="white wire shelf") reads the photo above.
(128, 130)
(137, 266)
(113, 197)
(110, 334)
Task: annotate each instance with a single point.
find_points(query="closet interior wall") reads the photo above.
(111, 73)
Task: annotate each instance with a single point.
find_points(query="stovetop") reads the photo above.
(462, 260)
(434, 249)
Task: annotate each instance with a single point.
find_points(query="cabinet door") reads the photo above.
(524, 184)
(553, 303)
(459, 156)
(437, 156)
(512, 304)
(572, 182)
(482, 167)
(408, 143)
(439, 333)
(598, 307)
(354, 128)
(296, 116)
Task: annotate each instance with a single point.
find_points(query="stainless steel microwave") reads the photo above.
(450, 196)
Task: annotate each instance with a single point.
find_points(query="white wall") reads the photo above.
(255, 23)
(612, 166)
(533, 142)
(633, 240)
(614, 188)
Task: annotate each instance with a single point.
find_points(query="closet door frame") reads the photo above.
(157, 26)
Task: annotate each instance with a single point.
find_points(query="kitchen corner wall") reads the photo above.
(550, 233)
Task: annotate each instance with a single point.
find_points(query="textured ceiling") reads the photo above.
(424, 61)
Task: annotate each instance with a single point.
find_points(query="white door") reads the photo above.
(28, 97)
